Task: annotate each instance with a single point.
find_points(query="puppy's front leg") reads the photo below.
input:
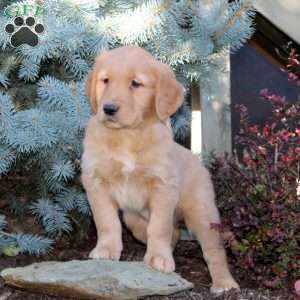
(160, 230)
(108, 225)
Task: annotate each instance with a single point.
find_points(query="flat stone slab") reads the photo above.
(95, 279)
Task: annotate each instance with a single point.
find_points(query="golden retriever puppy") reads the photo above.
(131, 163)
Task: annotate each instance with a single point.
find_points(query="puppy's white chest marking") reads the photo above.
(120, 172)
(129, 164)
(129, 195)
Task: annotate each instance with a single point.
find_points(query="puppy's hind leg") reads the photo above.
(138, 226)
(200, 211)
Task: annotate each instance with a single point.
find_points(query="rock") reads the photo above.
(95, 279)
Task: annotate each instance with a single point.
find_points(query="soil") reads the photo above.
(189, 263)
(188, 257)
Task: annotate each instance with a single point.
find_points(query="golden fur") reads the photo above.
(130, 162)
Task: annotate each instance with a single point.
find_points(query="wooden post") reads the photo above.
(214, 98)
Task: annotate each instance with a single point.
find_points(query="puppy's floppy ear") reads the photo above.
(169, 93)
(91, 89)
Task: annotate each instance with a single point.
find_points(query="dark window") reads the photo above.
(255, 67)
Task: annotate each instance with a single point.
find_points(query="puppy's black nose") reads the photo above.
(110, 109)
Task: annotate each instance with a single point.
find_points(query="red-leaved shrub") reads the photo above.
(258, 192)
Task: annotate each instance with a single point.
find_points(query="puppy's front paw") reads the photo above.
(162, 263)
(224, 285)
(104, 252)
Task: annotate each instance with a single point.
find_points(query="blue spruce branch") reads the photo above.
(53, 217)
(12, 244)
(46, 128)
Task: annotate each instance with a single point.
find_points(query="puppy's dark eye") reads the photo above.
(105, 80)
(135, 84)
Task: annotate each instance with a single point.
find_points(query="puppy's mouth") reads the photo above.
(110, 119)
(111, 122)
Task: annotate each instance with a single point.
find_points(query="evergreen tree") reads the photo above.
(43, 105)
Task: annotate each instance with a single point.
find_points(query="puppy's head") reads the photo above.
(127, 85)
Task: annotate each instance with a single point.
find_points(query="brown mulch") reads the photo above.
(189, 264)
(188, 257)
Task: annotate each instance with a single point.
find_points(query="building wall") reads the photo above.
(285, 14)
